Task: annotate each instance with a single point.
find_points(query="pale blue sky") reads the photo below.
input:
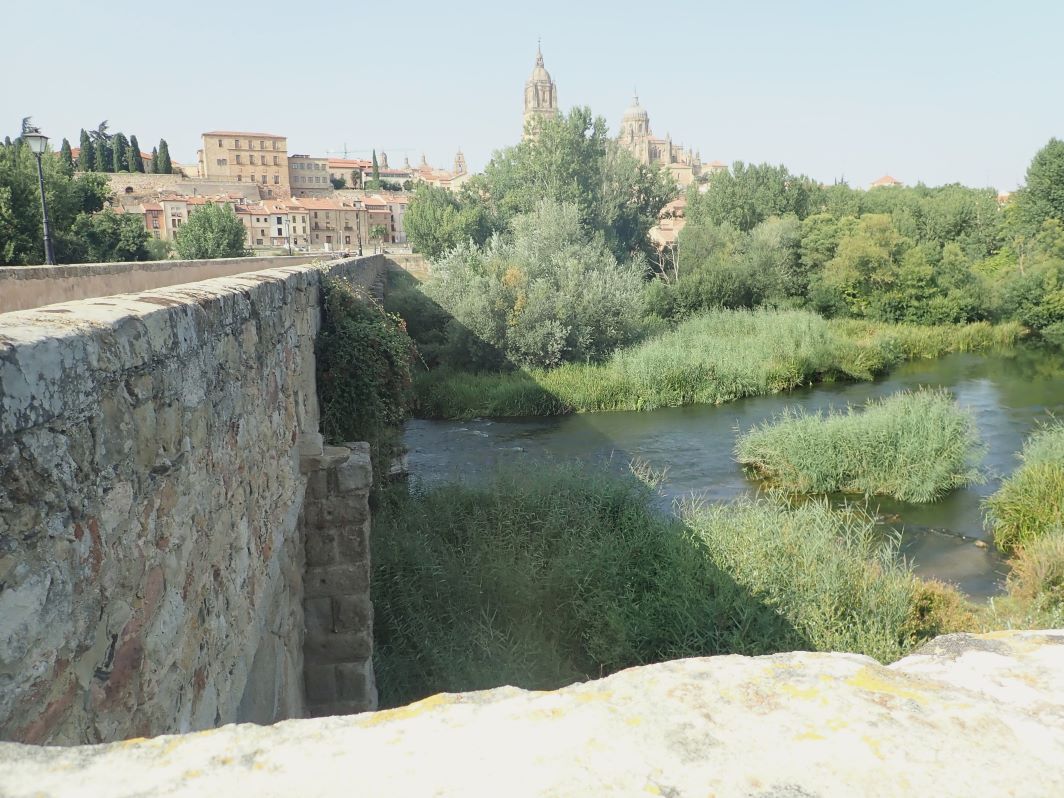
(938, 91)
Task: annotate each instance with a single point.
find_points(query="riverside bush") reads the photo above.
(912, 446)
(539, 578)
(363, 359)
(713, 358)
(1029, 505)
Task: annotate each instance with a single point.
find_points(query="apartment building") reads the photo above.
(259, 158)
(308, 176)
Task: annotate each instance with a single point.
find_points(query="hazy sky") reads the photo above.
(934, 91)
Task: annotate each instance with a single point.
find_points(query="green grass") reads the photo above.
(912, 446)
(540, 578)
(1029, 505)
(714, 358)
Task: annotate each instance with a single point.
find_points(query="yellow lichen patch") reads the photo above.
(873, 744)
(885, 682)
(836, 724)
(810, 734)
(634, 720)
(652, 789)
(409, 711)
(133, 741)
(589, 696)
(805, 693)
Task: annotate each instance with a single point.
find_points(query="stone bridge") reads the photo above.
(177, 548)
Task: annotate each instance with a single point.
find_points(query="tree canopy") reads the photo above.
(213, 231)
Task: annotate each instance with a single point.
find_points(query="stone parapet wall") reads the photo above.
(25, 287)
(965, 717)
(151, 565)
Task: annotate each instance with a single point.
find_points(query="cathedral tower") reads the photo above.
(541, 95)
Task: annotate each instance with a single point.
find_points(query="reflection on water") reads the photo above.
(1009, 393)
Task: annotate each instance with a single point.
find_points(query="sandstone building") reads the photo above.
(637, 137)
(541, 95)
(260, 158)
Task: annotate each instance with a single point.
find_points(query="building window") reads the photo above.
(264, 178)
(251, 159)
(276, 179)
(262, 144)
(240, 178)
(253, 178)
(258, 241)
(238, 158)
(278, 220)
(276, 161)
(219, 142)
(236, 144)
(279, 233)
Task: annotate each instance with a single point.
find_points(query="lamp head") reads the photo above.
(34, 139)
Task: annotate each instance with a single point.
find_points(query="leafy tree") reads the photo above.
(163, 166)
(573, 160)
(747, 194)
(136, 160)
(538, 295)
(1042, 197)
(66, 156)
(21, 235)
(378, 233)
(338, 182)
(213, 231)
(87, 154)
(436, 221)
(108, 236)
(101, 139)
(119, 153)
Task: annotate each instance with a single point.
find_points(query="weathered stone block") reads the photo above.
(321, 546)
(337, 647)
(354, 682)
(337, 580)
(353, 542)
(352, 614)
(318, 614)
(356, 473)
(320, 683)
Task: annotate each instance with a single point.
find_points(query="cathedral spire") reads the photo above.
(541, 95)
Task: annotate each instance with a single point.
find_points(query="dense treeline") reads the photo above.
(758, 235)
(83, 229)
(102, 151)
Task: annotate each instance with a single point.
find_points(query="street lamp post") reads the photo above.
(37, 141)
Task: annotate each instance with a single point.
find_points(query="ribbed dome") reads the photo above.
(539, 72)
(635, 112)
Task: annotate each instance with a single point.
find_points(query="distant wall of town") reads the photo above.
(24, 287)
(155, 453)
(143, 184)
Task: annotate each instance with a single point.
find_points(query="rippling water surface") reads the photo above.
(1009, 394)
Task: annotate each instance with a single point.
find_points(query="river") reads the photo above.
(1009, 393)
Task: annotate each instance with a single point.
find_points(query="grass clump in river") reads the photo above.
(912, 446)
(709, 359)
(1029, 505)
(540, 578)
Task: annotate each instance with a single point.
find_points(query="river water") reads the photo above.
(1009, 394)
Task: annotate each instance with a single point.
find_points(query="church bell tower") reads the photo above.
(541, 95)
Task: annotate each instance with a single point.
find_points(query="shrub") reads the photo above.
(912, 446)
(363, 360)
(213, 231)
(1037, 575)
(1029, 505)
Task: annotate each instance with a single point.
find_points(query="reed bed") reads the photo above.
(710, 359)
(914, 446)
(542, 577)
(1029, 505)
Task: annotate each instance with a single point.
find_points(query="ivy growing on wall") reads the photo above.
(363, 358)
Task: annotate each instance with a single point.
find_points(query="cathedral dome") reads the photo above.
(539, 72)
(635, 112)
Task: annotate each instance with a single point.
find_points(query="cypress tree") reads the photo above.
(87, 156)
(153, 165)
(164, 166)
(376, 168)
(136, 162)
(7, 141)
(104, 156)
(66, 157)
(120, 153)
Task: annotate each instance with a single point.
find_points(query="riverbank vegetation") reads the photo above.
(543, 577)
(716, 357)
(538, 578)
(912, 446)
(521, 279)
(1029, 505)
